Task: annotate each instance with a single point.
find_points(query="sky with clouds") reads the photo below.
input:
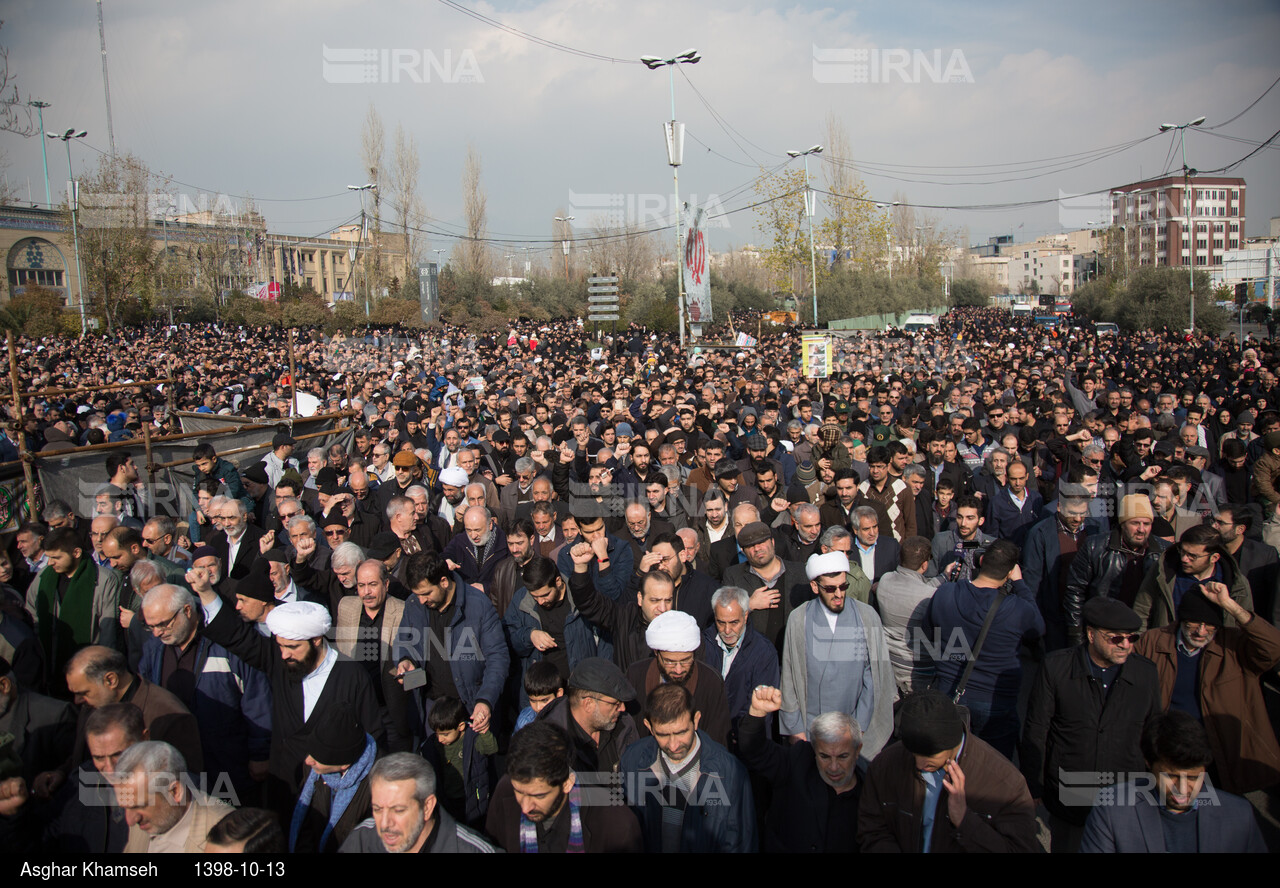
(266, 97)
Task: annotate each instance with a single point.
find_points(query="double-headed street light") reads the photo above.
(1187, 173)
(361, 189)
(810, 207)
(44, 155)
(73, 198)
(675, 156)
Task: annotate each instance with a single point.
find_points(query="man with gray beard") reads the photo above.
(476, 552)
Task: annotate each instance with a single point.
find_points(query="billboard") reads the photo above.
(429, 291)
(697, 271)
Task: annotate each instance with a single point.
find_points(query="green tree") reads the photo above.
(38, 312)
(392, 310)
(117, 251)
(854, 229)
(781, 220)
(968, 291)
(654, 306)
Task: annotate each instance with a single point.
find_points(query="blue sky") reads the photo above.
(233, 97)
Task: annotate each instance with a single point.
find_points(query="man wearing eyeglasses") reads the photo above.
(1085, 718)
(1197, 561)
(835, 659)
(212, 683)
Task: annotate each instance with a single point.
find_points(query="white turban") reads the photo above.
(832, 562)
(455, 476)
(299, 621)
(675, 631)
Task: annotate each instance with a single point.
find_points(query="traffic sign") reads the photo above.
(603, 279)
(610, 298)
(607, 317)
(606, 289)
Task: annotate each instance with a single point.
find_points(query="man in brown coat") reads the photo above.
(915, 792)
(1223, 689)
(97, 676)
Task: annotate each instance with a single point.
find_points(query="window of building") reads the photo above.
(43, 277)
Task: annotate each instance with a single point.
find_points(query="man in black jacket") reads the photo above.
(298, 650)
(1112, 565)
(626, 621)
(815, 782)
(1085, 717)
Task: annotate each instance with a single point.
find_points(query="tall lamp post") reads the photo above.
(564, 243)
(73, 197)
(1187, 173)
(675, 156)
(361, 189)
(44, 154)
(810, 207)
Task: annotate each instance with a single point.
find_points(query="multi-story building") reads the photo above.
(1172, 221)
(1048, 261)
(39, 249)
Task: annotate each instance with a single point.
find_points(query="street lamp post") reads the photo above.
(1187, 173)
(44, 154)
(810, 207)
(675, 156)
(361, 189)
(73, 197)
(564, 243)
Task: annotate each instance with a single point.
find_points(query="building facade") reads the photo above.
(1175, 222)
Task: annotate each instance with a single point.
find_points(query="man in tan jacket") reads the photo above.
(165, 813)
(366, 630)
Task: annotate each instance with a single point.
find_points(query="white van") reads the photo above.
(918, 323)
(1103, 328)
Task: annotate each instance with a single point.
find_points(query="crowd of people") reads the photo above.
(989, 587)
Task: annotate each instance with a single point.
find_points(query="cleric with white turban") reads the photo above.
(674, 638)
(300, 621)
(673, 631)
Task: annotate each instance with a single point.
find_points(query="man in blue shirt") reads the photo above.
(957, 612)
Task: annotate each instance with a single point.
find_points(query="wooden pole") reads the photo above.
(293, 380)
(207, 433)
(28, 473)
(266, 445)
(146, 445)
(169, 397)
(41, 393)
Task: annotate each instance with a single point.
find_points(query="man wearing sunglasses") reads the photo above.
(835, 659)
(1085, 718)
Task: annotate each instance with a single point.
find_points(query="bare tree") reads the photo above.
(474, 255)
(402, 179)
(116, 246)
(854, 229)
(15, 115)
(628, 250)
